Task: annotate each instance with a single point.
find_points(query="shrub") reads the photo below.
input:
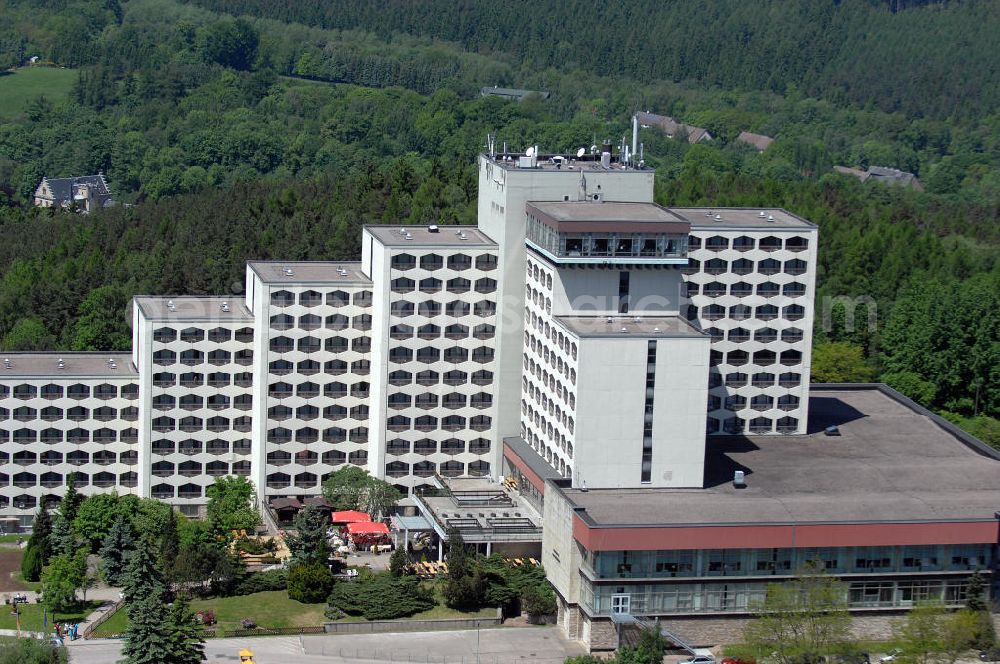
(258, 582)
(206, 617)
(31, 564)
(397, 562)
(538, 600)
(310, 583)
(380, 597)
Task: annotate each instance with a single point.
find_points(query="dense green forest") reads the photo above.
(257, 137)
(922, 58)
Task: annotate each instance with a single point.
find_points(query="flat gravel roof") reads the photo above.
(310, 272)
(624, 327)
(46, 365)
(182, 308)
(774, 218)
(423, 236)
(890, 462)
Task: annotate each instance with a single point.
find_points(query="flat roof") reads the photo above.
(623, 327)
(893, 461)
(589, 163)
(750, 218)
(425, 237)
(582, 216)
(310, 272)
(182, 308)
(46, 365)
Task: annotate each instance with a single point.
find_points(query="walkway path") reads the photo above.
(525, 645)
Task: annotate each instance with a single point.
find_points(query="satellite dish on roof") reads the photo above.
(530, 152)
(581, 152)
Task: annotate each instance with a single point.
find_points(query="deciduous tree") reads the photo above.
(803, 617)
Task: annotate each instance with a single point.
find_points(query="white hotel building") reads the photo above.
(608, 333)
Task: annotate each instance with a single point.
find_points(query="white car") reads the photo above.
(698, 659)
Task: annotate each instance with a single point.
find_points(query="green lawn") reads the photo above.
(274, 609)
(20, 86)
(31, 616)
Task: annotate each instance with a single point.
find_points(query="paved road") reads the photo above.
(504, 645)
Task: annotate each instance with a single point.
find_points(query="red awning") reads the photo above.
(369, 528)
(349, 516)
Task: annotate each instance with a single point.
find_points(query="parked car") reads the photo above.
(698, 659)
(990, 655)
(890, 656)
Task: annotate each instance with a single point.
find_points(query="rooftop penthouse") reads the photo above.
(601, 232)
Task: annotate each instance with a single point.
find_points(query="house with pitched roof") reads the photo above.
(672, 128)
(759, 141)
(85, 193)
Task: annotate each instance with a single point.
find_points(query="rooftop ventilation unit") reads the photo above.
(171, 305)
(432, 228)
(761, 214)
(656, 329)
(739, 479)
(462, 236)
(61, 364)
(624, 330)
(770, 217)
(718, 217)
(832, 430)
(408, 236)
(225, 307)
(288, 272)
(610, 320)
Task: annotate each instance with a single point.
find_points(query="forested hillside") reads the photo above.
(932, 58)
(255, 137)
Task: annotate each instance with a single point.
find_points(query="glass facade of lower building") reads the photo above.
(740, 597)
(784, 562)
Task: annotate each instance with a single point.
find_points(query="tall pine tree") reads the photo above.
(41, 532)
(308, 546)
(115, 551)
(69, 506)
(146, 636)
(62, 540)
(170, 545)
(146, 639)
(142, 578)
(185, 641)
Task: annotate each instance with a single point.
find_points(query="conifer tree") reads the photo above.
(147, 635)
(185, 641)
(115, 551)
(142, 578)
(308, 546)
(62, 540)
(146, 639)
(69, 506)
(41, 532)
(170, 545)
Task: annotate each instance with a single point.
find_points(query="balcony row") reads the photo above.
(193, 335)
(77, 391)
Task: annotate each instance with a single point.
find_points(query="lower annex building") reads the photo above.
(611, 361)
